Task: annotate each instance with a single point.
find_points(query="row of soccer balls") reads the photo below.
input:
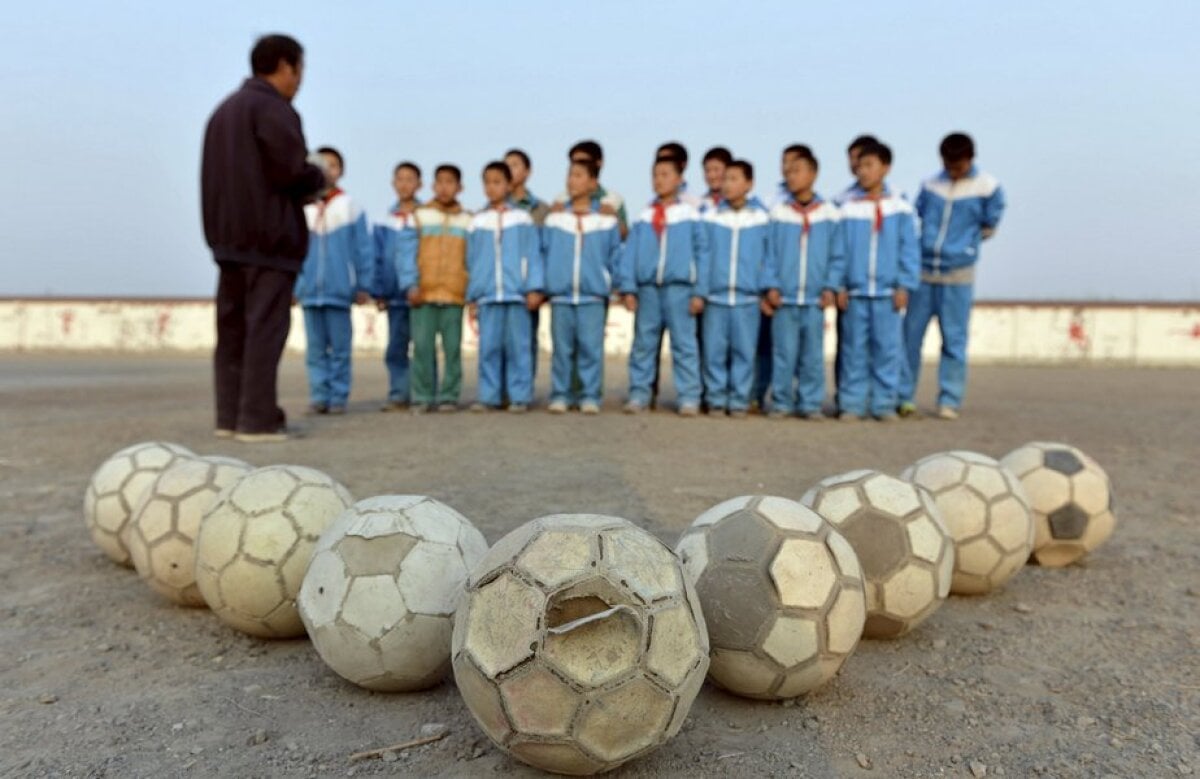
(580, 642)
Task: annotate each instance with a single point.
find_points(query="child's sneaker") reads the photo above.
(317, 408)
(557, 407)
(394, 405)
(634, 407)
(887, 418)
(589, 407)
(479, 408)
(274, 437)
(812, 416)
(223, 432)
(337, 411)
(738, 413)
(518, 408)
(778, 413)
(689, 410)
(420, 409)
(908, 410)
(948, 413)
(447, 408)
(848, 417)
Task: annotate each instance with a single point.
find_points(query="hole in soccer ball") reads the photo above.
(594, 631)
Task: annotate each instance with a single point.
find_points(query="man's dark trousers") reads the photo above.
(253, 319)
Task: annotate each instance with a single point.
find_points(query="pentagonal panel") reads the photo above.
(890, 494)
(878, 541)
(1068, 523)
(845, 621)
(1063, 461)
(625, 721)
(502, 621)
(379, 554)
(556, 557)
(909, 592)
(674, 645)
(596, 648)
(373, 605)
(738, 601)
(789, 515)
(539, 703)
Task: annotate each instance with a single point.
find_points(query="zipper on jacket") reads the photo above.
(662, 254)
(499, 247)
(733, 259)
(575, 271)
(802, 291)
(941, 236)
(873, 255)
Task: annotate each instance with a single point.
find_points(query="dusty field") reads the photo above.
(1089, 671)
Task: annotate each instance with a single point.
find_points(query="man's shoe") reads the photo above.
(589, 407)
(908, 410)
(634, 407)
(948, 413)
(557, 407)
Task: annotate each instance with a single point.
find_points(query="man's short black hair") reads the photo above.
(674, 162)
(957, 147)
(407, 165)
(861, 141)
(877, 149)
(744, 166)
(270, 49)
(453, 170)
(500, 167)
(519, 153)
(334, 152)
(673, 149)
(797, 150)
(590, 148)
(719, 153)
(591, 166)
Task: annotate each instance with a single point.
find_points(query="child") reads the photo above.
(782, 194)
(664, 278)
(738, 233)
(958, 208)
(519, 165)
(337, 272)
(803, 272)
(610, 202)
(582, 248)
(435, 277)
(716, 160)
(852, 151)
(674, 150)
(882, 265)
(505, 281)
(395, 239)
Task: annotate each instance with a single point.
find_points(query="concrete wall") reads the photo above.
(1016, 332)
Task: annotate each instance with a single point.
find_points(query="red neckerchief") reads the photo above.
(659, 220)
(804, 210)
(715, 197)
(404, 215)
(330, 195)
(878, 201)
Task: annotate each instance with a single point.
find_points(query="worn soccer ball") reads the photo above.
(782, 595)
(255, 544)
(379, 596)
(162, 533)
(117, 486)
(987, 513)
(1072, 500)
(906, 553)
(579, 644)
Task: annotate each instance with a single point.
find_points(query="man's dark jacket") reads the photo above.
(254, 180)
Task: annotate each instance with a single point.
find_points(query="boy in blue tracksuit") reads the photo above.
(738, 234)
(959, 208)
(804, 270)
(338, 272)
(395, 239)
(664, 279)
(504, 283)
(581, 250)
(882, 270)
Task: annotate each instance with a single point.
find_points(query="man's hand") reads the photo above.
(765, 307)
(361, 298)
(414, 296)
(696, 305)
(827, 299)
(534, 300)
(629, 300)
(843, 300)
(900, 299)
(774, 298)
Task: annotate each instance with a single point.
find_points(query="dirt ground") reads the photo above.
(1093, 670)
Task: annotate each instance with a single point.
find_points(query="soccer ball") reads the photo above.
(1072, 500)
(987, 512)
(115, 489)
(162, 533)
(781, 591)
(379, 596)
(255, 544)
(579, 644)
(905, 551)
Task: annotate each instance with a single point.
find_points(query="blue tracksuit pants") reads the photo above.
(577, 330)
(327, 354)
(664, 308)
(798, 338)
(396, 356)
(505, 359)
(730, 352)
(871, 361)
(951, 305)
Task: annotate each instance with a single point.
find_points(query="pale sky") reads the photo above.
(1087, 112)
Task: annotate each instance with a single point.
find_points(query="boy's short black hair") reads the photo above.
(861, 141)
(744, 166)
(500, 167)
(719, 153)
(591, 166)
(673, 149)
(519, 153)
(334, 152)
(453, 170)
(674, 162)
(877, 149)
(957, 147)
(590, 148)
(409, 165)
(270, 49)
(796, 150)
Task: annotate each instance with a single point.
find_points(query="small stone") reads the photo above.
(104, 647)
(998, 770)
(432, 729)
(1023, 608)
(178, 726)
(1185, 769)
(1084, 722)
(197, 750)
(389, 756)
(48, 698)
(939, 643)
(978, 769)
(218, 658)
(257, 737)
(252, 688)
(864, 762)
(986, 625)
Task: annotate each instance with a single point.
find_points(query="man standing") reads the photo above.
(254, 181)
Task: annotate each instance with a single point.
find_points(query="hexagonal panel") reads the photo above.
(346, 651)
(803, 573)
(314, 506)
(596, 641)
(792, 641)
(503, 619)
(555, 557)
(926, 538)
(563, 758)
(373, 605)
(843, 553)
(801, 680)
(262, 490)
(836, 503)
(742, 672)
(249, 589)
(1047, 490)
(482, 698)
(431, 578)
(722, 510)
(1100, 527)
(155, 519)
(1012, 525)
(539, 703)
(692, 550)
(1089, 491)
(675, 644)
(416, 652)
(987, 480)
(435, 521)
(172, 561)
(789, 515)
(890, 494)
(624, 721)
(977, 558)
(938, 472)
(909, 592)
(844, 622)
(642, 562)
(268, 538)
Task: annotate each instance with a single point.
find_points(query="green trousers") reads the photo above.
(426, 323)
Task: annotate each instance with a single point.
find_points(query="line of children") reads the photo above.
(714, 272)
